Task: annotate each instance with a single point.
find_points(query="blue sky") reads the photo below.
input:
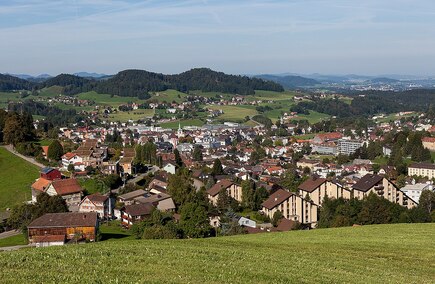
(240, 37)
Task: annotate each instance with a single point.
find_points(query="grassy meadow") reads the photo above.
(401, 253)
(16, 176)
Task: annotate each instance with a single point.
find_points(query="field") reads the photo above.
(182, 123)
(13, 241)
(5, 97)
(124, 116)
(234, 113)
(169, 96)
(16, 176)
(106, 99)
(371, 254)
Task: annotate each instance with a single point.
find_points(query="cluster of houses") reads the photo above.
(232, 144)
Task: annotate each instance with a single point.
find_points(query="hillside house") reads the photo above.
(96, 203)
(135, 213)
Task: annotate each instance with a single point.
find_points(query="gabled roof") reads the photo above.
(367, 182)
(277, 198)
(311, 184)
(223, 184)
(139, 209)
(132, 194)
(41, 184)
(68, 156)
(66, 186)
(46, 170)
(97, 198)
(62, 220)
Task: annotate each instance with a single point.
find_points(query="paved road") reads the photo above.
(11, 149)
(9, 234)
(15, 247)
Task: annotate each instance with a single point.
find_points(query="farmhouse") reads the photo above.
(69, 189)
(58, 228)
(96, 203)
(292, 206)
(135, 213)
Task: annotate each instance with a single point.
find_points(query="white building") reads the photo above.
(414, 190)
(348, 147)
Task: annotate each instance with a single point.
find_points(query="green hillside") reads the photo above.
(16, 177)
(372, 254)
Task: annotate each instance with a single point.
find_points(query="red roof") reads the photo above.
(330, 136)
(66, 186)
(68, 156)
(41, 184)
(97, 198)
(45, 150)
(428, 139)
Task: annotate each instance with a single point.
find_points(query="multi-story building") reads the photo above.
(292, 206)
(422, 169)
(234, 190)
(318, 188)
(383, 188)
(348, 147)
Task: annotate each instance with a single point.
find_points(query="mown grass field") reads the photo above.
(134, 115)
(371, 254)
(16, 176)
(182, 123)
(106, 99)
(13, 241)
(168, 96)
(234, 113)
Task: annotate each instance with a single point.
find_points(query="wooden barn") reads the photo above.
(58, 228)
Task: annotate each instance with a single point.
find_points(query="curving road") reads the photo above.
(11, 149)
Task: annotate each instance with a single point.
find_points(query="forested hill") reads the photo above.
(138, 83)
(10, 83)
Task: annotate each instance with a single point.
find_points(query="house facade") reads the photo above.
(292, 206)
(422, 169)
(382, 187)
(96, 203)
(233, 190)
(318, 188)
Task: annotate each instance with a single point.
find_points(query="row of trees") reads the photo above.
(374, 210)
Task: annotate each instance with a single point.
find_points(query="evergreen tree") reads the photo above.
(217, 168)
(178, 160)
(197, 154)
(55, 151)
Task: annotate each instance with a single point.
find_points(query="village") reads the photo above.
(265, 179)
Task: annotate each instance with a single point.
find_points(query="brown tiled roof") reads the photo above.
(69, 219)
(139, 209)
(367, 182)
(45, 149)
(41, 184)
(69, 155)
(311, 184)
(276, 198)
(66, 186)
(215, 189)
(97, 197)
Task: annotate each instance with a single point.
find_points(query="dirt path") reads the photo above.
(11, 149)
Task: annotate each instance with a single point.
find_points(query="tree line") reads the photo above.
(139, 83)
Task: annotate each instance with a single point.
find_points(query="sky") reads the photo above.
(369, 37)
